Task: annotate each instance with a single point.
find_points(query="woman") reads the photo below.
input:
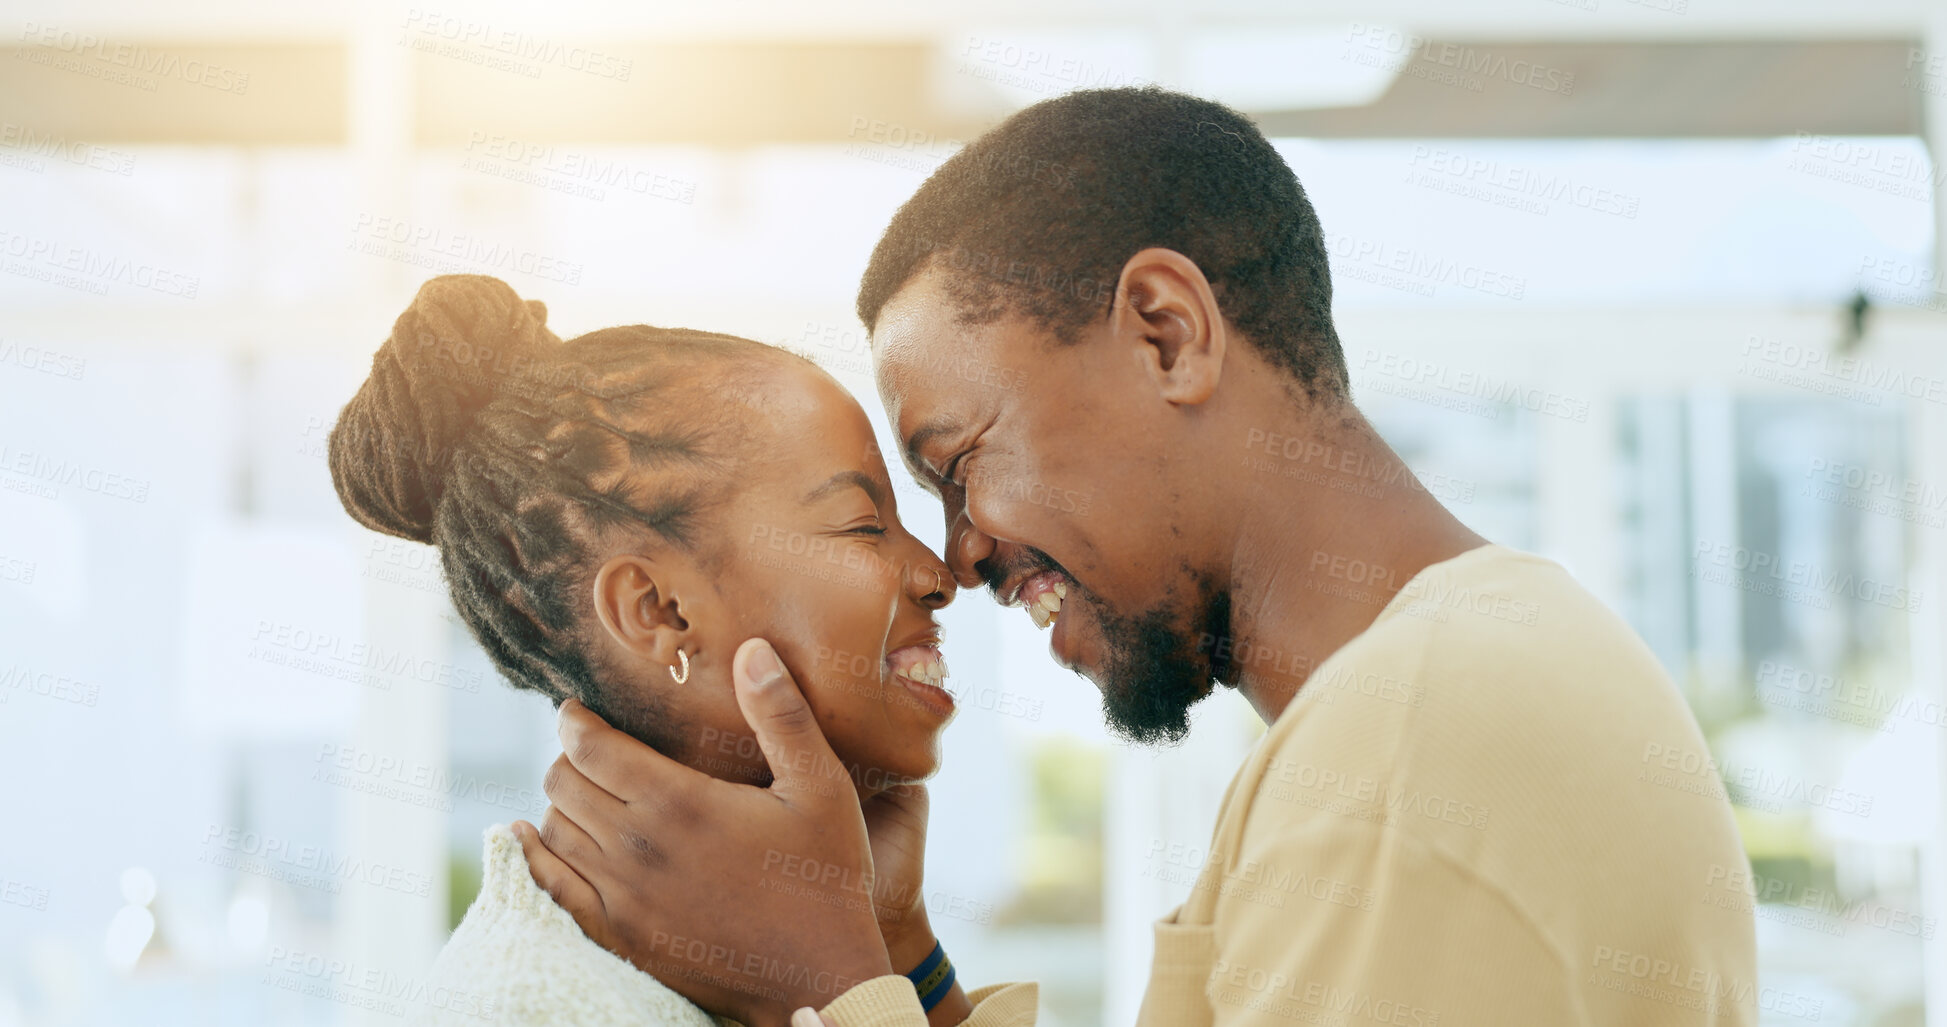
(615, 514)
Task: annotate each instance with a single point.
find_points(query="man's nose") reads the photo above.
(966, 547)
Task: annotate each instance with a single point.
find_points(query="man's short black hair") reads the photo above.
(1039, 215)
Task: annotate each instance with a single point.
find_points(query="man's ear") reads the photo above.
(638, 609)
(1167, 313)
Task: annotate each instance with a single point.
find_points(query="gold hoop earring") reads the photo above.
(685, 675)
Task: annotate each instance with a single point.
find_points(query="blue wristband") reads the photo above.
(933, 977)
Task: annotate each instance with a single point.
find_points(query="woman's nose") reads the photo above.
(930, 584)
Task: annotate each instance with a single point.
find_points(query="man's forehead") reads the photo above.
(916, 315)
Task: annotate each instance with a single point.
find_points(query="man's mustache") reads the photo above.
(996, 571)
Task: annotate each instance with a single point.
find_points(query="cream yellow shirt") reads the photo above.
(1490, 807)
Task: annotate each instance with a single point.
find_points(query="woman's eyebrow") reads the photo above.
(855, 479)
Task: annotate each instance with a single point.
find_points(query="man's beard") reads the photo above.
(1153, 673)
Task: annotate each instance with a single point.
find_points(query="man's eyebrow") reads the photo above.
(926, 433)
(853, 479)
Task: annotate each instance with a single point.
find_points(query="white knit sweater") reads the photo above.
(519, 960)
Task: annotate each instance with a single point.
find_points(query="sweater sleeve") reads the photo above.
(889, 1001)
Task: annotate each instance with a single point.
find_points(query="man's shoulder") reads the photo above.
(1511, 636)
(1497, 683)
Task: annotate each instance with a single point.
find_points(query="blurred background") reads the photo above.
(1650, 287)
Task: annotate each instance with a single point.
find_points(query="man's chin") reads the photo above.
(1146, 723)
(1148, 701)
(1148, 669)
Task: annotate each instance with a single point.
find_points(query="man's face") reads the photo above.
(1064, 492)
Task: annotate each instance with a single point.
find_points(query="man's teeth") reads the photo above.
(1047, 606)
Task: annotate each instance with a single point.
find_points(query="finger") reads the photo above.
(803, 768)
(809, 1017)
(616, 762)
(570, 791)
(568, 889)
(571, 844)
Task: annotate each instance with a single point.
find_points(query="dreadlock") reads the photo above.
(481, 432)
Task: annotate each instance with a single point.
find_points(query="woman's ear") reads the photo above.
(1167, 312)
(638, 608)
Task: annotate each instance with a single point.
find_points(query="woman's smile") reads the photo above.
(922, 670)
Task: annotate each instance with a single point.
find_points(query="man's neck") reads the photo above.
(1330, 529)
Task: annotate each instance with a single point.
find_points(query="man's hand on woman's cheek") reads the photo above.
(750, 902)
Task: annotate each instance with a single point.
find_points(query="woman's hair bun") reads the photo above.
(448, 353)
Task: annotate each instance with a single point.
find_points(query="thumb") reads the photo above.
(802, 762)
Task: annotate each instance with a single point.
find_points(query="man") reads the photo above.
(1472, 803)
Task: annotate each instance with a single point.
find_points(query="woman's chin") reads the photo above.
(890, 770)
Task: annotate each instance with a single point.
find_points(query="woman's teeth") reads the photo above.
(1047, 606)
(927, 668)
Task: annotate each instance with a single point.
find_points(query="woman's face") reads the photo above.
(811, 556)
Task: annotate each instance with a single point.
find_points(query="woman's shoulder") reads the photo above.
(519, 960)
